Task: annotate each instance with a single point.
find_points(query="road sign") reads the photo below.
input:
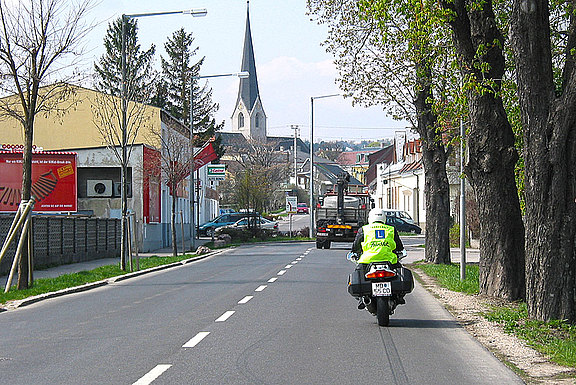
(216, 171)
(291, 203)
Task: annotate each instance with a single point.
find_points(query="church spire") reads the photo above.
(248, 91)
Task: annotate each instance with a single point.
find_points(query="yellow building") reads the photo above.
(79, 123)
(75, 122)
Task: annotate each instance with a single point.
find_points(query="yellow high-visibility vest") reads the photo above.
(378, 243)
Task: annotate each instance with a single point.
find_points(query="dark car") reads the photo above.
(223, 220)
(302, 208)
(402, 226)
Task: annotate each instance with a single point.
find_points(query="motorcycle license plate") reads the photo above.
(381, 289)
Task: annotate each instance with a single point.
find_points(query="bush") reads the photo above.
(455, 236)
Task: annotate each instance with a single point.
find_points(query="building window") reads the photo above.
(257, 120)
(240, 120)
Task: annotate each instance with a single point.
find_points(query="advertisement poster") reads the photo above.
(54, 181)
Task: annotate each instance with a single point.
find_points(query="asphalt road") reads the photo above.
(299, 221)
(262, 314)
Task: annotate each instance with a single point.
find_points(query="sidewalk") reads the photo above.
(417, 254)
(57, 271)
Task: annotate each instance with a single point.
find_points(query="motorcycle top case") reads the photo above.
(358, 285)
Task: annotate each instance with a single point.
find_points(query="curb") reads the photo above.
(92, 285)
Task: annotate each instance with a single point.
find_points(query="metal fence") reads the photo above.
(63, 240)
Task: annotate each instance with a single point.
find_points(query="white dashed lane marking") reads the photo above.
(196, 340)
(260, 288)
(152, 375)
(287, 266)
(225, 316)
(281, 272)
(271, 280)
(246, 299)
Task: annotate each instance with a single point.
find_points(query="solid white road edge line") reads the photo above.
(196, 339)
(246, 299)
(225, 316)
(281, 272)
(260, 288)
(272, 279)
(152, 375)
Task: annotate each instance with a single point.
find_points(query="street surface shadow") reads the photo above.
(424, 324)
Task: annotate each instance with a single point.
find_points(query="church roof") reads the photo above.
(248, 91)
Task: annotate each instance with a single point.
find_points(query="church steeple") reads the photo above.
(249, 117)
(248, 91)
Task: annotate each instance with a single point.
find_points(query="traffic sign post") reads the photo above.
(291, 203)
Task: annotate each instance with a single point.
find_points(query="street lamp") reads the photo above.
(124, 168)
(311, 189)
(193, 225)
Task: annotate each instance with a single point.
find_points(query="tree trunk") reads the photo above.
(173, 221)
(491, 171)
(491, 150)
(436, 187)
(549, 121)
(23, 267)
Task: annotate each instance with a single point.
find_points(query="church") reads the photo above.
(248, 120)
(249, 123)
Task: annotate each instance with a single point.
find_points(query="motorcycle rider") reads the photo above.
(377, 242)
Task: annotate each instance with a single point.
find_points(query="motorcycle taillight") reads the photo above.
(381, 274)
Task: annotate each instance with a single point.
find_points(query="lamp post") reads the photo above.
(124, 119)
(311, 187)
(193, 221)
(295, 128)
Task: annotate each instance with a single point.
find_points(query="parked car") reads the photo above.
(302, 208)
(403, 226)
(259, 222)
(222, 220)
(400, 214)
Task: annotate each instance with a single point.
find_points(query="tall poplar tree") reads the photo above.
(139, 71)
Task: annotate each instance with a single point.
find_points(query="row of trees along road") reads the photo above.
(434, 63)
(168, 89)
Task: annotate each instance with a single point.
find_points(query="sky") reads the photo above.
(291, 64)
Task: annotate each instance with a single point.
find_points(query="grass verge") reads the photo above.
(556, 339)
(49, 285)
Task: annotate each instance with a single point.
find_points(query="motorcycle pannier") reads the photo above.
(405, 281)
(358, 285)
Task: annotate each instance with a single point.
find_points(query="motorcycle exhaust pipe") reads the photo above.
(366, 300)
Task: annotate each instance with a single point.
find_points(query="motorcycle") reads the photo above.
(380, 287)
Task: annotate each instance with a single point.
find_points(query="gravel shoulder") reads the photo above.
(532, 366)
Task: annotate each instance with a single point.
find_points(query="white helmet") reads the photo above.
(376, 215)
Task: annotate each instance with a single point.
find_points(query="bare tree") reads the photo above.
(175, 157)
(39, 45)
(257, 171)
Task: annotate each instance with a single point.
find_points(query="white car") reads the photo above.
(260, 222)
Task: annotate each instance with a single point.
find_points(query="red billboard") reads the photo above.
(54, 181)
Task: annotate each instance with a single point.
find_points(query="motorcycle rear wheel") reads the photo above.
(382, 311)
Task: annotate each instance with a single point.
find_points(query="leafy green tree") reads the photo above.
(543, 38)
(479, 46)
(389, 53)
